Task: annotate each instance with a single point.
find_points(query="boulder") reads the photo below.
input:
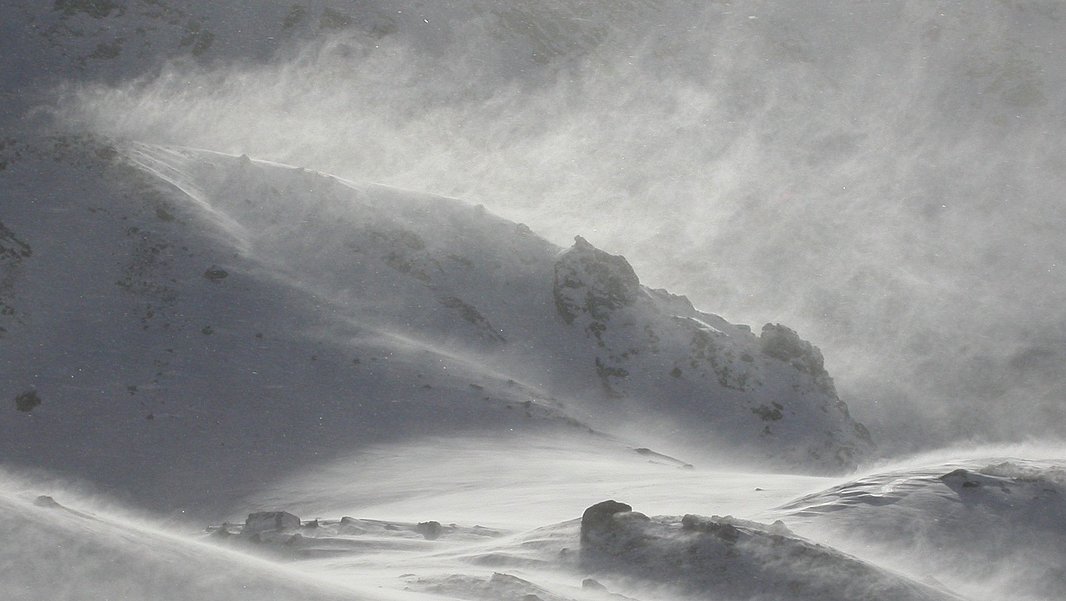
(430, 530)
(269, 521)
(598, 518)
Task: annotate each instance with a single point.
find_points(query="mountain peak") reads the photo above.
(589, 280)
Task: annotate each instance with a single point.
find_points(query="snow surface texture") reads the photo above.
(365, 392)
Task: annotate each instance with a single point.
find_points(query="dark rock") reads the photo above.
(783, 343)
(27, 401)
(266, 521)
(430, 530)
(721, 529)
(960, 478)
(215, 274)
(45, 501)
(599, 517)
(589, 280)
(591, 585)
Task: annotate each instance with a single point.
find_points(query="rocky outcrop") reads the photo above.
(269, 521)
(723, 557)
(652, 346)
(598, 520)
(589, 281)
(783, 343)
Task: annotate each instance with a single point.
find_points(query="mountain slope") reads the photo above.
(186, 316)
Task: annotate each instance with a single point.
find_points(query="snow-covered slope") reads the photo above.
(72, 547)
(66, 554)
(979, 525)
(199, 305)
(168, 367)
(190, 336)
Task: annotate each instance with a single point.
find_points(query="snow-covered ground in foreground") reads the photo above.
(977, 523)
(507, 507)
(439, 395)
(477, 519)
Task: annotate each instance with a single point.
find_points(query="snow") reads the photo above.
(731, 558)
(975, 523)
(236, 367)
(394, 367)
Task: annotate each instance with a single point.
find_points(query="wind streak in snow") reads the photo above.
(169, 165)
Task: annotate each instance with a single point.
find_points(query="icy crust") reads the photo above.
(651, 344)
(723, 557)
(953, 521)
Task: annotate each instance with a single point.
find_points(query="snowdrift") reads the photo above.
(977, 525)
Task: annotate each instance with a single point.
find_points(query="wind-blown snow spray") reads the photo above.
(881, 177)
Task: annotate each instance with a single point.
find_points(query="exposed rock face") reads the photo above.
(654, 347)
(591, 281)
(781, 342)
(270, 521)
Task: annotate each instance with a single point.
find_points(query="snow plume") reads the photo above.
(66, 545)
(885, 178)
